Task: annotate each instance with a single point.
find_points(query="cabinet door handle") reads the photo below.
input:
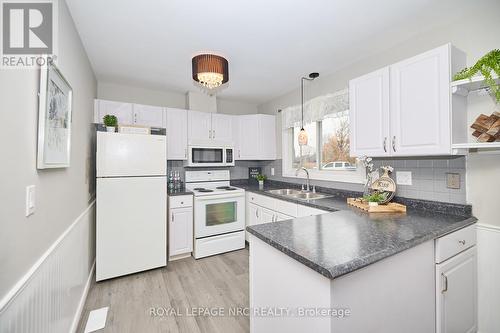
(239, 153)
(185, 153)
(172, 217)
(257, 213)
(462, 242)
(394, 143)
(385, 144)
(445, 279)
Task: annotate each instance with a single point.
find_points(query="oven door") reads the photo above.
(219, 214)
(206, 156)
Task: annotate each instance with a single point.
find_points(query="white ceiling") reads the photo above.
(269, 44)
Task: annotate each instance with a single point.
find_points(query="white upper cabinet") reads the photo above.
(129, 113)
(405, 109)
(256, 137)
(177, 134)
(199, 127)
(123, 111)
(207, 128)
(267, 142)
(420, 104)
(369, 114)
(148, 115)
(222, 127)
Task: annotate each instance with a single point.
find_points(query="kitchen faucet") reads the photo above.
(307, 179)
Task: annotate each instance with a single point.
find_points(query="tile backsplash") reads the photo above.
(428, 176)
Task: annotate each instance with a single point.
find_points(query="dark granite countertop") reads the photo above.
(179, 191)
(337, 243)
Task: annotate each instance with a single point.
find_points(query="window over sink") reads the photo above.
(326, 155)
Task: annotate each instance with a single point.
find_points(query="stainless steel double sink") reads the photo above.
(297, 194)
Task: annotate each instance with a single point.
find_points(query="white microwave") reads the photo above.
(210, 156)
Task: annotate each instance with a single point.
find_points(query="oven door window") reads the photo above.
(207, 155)
(221, 213)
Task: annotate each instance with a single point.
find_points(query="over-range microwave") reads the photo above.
(210, 156)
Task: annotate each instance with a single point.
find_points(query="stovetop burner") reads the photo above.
(204, 190)
(198, 188)
(227, 188)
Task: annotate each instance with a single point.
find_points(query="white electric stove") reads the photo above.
(219, 213)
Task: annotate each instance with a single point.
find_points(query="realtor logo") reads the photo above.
(28, 28)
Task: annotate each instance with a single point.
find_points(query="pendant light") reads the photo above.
(303, 134)
(210, 70)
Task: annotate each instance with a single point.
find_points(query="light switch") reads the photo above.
(403, 178)
(30, 200)
(453, 180)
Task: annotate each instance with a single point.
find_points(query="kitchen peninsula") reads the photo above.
(348, 271)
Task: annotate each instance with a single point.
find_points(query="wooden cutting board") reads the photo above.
(390, 207)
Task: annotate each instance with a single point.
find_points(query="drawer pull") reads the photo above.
(462, 242)
(182, 202)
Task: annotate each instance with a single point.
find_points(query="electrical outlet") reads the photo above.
(403, 178)
(272, 171)
(453, 180)
(30, 200)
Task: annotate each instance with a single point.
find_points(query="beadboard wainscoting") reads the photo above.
(51, 295)
(488, 250)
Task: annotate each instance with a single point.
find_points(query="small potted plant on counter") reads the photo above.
(375, 198)
(261, 179)
(110, 122)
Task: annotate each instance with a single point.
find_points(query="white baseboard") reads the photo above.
(488, 244)
(81, 304)
(51, 295)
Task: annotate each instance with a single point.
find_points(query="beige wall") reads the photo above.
(61, 194)
(135, 94)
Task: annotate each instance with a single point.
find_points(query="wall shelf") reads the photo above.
(476, 145)
(465, 86)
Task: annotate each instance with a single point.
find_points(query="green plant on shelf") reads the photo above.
(261, 177)
(488, 64)
(110, 121)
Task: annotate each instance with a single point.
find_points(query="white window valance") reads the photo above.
(316, 109)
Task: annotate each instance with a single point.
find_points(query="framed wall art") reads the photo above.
(54, 118)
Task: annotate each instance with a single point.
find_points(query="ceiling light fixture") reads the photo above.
(210, 70)
(303, 134)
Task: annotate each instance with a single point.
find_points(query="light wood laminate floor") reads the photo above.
(219, 281)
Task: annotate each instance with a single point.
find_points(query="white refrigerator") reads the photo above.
(131, 227)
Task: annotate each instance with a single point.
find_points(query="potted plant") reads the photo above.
(374, 199)
(488, 66)
(110, 122)
(261, 179)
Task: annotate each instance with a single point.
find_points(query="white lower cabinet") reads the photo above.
(264, 209)
(456, 283)
(180, 222)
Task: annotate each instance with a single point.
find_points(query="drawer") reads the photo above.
(455, 242)
(309, 211)
(285, 207)
(180, 201)
(261, 200)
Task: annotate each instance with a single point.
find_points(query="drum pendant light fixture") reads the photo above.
(210, 70)
(302, 138)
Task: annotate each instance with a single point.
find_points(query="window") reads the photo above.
(326, 154)
(335, 143)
